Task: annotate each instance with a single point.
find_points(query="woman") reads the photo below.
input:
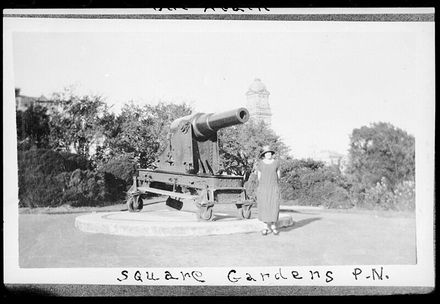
(268, 193)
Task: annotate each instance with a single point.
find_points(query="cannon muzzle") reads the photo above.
(205, 125)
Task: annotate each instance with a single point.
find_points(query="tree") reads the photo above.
(140, 131)
(240, 146)
(381, 151)
(78, 123)
(33, 127)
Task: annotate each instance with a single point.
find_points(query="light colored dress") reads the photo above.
(268, 193)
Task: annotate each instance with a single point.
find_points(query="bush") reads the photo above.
(40, 190)
(381, 150)
(75, 161)
(380, 197)
(49, 179)
(89, 188)
(313, 183)
(325, 193)
(38, 181)
(123, 168)
(405, 196)
(48, 162)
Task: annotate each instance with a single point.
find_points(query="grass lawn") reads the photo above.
(48, 239)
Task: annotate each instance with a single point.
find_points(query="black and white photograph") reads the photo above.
(219, 147)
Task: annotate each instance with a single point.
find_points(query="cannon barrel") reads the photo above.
(205, 125)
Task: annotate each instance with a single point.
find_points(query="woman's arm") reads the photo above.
(278, 170)
(257, 170)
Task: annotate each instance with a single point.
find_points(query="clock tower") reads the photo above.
(258, 102)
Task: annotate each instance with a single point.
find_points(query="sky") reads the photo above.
(324, 78)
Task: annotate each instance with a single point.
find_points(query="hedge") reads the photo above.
(49, 179)
(50, 162)
(123, 168)
(89, 188)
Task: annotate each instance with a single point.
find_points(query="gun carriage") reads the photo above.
(189, 167)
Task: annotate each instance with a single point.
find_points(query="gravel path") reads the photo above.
(319, 237)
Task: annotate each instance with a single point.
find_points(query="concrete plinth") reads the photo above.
(165, 222)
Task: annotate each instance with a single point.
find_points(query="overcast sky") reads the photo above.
(324, 78)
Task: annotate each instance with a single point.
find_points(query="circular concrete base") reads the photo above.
(167, 222)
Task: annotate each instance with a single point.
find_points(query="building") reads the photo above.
(258, 102)
(330, 158)
(22, 103)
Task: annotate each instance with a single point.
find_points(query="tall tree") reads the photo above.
(140, 131)
(77, 123)
(381, 150)
(240, 146)
(33, 126)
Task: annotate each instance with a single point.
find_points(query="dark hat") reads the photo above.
(265, 150)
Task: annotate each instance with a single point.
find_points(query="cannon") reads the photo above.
(189, 167)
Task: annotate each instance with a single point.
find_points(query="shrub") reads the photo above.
(377, 197)
(40, 190)
(380, 197)
(405, 196)
(89, 188)
(75, 161)
(123, 168)
(325, 193)
(24, 145)
(49, 162)
(313, 183)
(38, 181)
(49, 179)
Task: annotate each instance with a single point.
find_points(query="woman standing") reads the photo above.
(268, 193)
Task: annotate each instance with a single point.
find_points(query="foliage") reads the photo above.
(323, 192)
(141, 131)
(32, 128)
(381, 151)
(405, 196)
(78, 123)
(39, 190)
(291, 172)
(38, 171)
(110, 147)
(49, 162)
(122, 167)
(380, 197)
(241, 145)
(49, 179)
(313, 183)
(90, 188)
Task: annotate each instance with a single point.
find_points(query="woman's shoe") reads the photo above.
(274, 230)
(265, 231)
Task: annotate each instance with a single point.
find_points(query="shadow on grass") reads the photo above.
(225, 216)
(297, 211)
(300, 224)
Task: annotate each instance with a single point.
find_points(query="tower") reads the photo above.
(258, 102)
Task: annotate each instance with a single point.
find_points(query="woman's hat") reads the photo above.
(265, 150)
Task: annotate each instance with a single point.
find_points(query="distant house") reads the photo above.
(22, 102)
(328, 157)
